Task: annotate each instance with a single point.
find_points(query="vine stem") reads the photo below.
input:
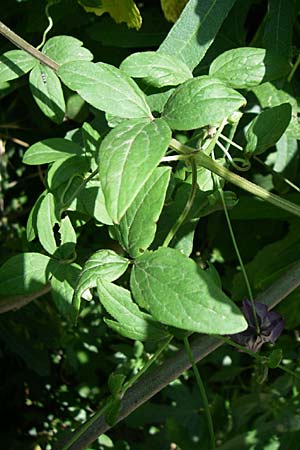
(236, 249)
(50, 25)
(144, 369)
(286, 180)
(187, 207)
(294, 68)
(77, 435)
(206, 162)
(24, 45)
(202, 393)
(76, 192)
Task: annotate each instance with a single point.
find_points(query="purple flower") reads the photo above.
(270, 325)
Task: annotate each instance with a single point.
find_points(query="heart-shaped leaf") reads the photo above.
(177, 292)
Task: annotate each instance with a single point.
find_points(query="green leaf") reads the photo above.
(137, 227)
(68, 238)
(178, 293)
(112, 413)
(92, 200)
(65, 168)
(23, 274)
(195, 30)
(14, 64)
(63, 49)
(157, 101)
(270, 95)
(200, 102)
(63, 283)
(131, 322)
(104, 264)
(50, 150)
(156, 69)
(273, 260)
(31, 227)
(246, 67)
(46, 219)
(124, 11)
(275, 358)
(266, 129)
(286, 161)
(115, 383)
(47, 92)
(278, 27)
(128, 156)
(106, 88)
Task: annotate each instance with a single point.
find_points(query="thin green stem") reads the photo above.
(154, 357)
(289, 371)
(187, 207)
(78, 433)
(286, 180)
(110, 400)
(230, 142)
(246, 164)
(74, 195)
(202, 393)
(205, 161)
(24, 45)
(294, 68)
(50, 25)
(236, 249)
(255, 355)
(228, 341)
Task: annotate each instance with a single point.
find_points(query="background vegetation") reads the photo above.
(54, 374)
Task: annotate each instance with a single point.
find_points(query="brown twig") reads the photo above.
(24, 45)
(13, 303)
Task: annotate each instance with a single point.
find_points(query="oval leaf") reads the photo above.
(63, 49)
(50, 150)
(157, 69)
(63, 283)
(46, 219)
(246, 67)
(267, 128)
(47, 92)
(137, 227)
(128, 156)
(14, 64)
(178, 293)
(131, 322)
(104, 264)
(23, 274)
(200, 102)
(106, 88)
(65, 168)
(195, 30)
